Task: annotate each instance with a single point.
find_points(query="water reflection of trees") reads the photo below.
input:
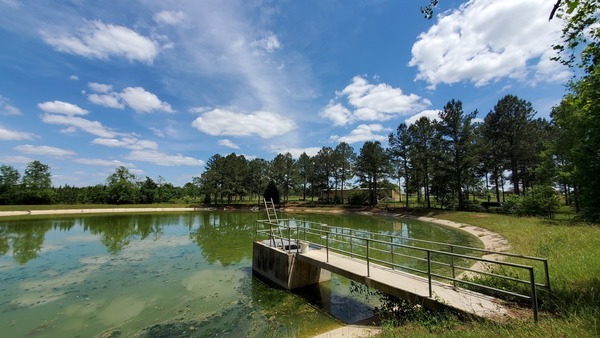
(116, 232)
(25, 239)
(225, 237)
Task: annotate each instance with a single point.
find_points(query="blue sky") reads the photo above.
(160, 86)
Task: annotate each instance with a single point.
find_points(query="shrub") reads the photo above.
(539, 201)
(361, 198)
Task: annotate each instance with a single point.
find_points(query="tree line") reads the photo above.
(453, 161)
(121, 187)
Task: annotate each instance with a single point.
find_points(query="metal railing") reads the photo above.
(426, 258)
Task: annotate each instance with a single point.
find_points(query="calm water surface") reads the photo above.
(169, 275)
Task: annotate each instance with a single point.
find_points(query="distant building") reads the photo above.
(382, 194)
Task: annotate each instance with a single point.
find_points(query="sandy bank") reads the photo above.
(92, 211)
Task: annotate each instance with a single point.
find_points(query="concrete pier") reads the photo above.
(283, 268)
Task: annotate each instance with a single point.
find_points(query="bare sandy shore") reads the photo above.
(491, 241)
(91, 211)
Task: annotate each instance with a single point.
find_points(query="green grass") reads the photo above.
(573, 252)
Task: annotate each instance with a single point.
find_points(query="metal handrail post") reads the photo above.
(297, 239)
(304, 227)
(368, 263)
(547, 276)
(392, 250)
(429, 272)
(452, 266)
(351, 242)
(534, 302)
(327, 245)
(289, 238)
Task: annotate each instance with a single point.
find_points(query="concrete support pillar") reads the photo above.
(283, 269)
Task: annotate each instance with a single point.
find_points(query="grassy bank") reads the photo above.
(573, 250)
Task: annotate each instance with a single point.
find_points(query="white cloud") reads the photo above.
(157, 132)
(15, 159)
(61, 107)
(269, 43)
(92, 127)
(137, 98)
(486, 40)
(338, 114)
(198, 110)
(219, 122)
(103, 163)
(8, 109)
(45, 150)
(143, 101)
(430, 114)
(296, 152)
(169, 17)
(106, 100)
(160, 158)
(228, 143)
(126, 142)
(371, 102)
(101, 41)
(12, 135)
(100, 87)
(362, 133)
(73, 77)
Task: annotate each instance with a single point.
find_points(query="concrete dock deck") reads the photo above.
(410, 287)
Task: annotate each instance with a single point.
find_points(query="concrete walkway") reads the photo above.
(351, 331)
(410, 287)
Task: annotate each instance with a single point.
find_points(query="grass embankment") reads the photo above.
(573, 252)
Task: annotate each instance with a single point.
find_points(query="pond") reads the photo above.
(167, 275)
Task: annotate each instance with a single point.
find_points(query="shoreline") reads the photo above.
(491, 241)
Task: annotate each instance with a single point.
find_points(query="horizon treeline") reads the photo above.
(452, 162)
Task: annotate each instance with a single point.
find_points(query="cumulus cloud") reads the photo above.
(169, 17)
(7, 109)
(430, 114)
(106, 100)
(103, 163)
(371, 102)
(228, 143)
(45, 151)
(126, 142)
(486, 40)
(362, 133)
(219, 122)
(101, 41)
(60, 107)
(100, 87)
(160, 158)
(12, 135)
(73, 123)
(338, 114)
(137, 98)
(143, 101)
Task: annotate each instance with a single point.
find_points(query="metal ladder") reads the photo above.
(272, 216)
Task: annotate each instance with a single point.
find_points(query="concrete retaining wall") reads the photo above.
(283, 269)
